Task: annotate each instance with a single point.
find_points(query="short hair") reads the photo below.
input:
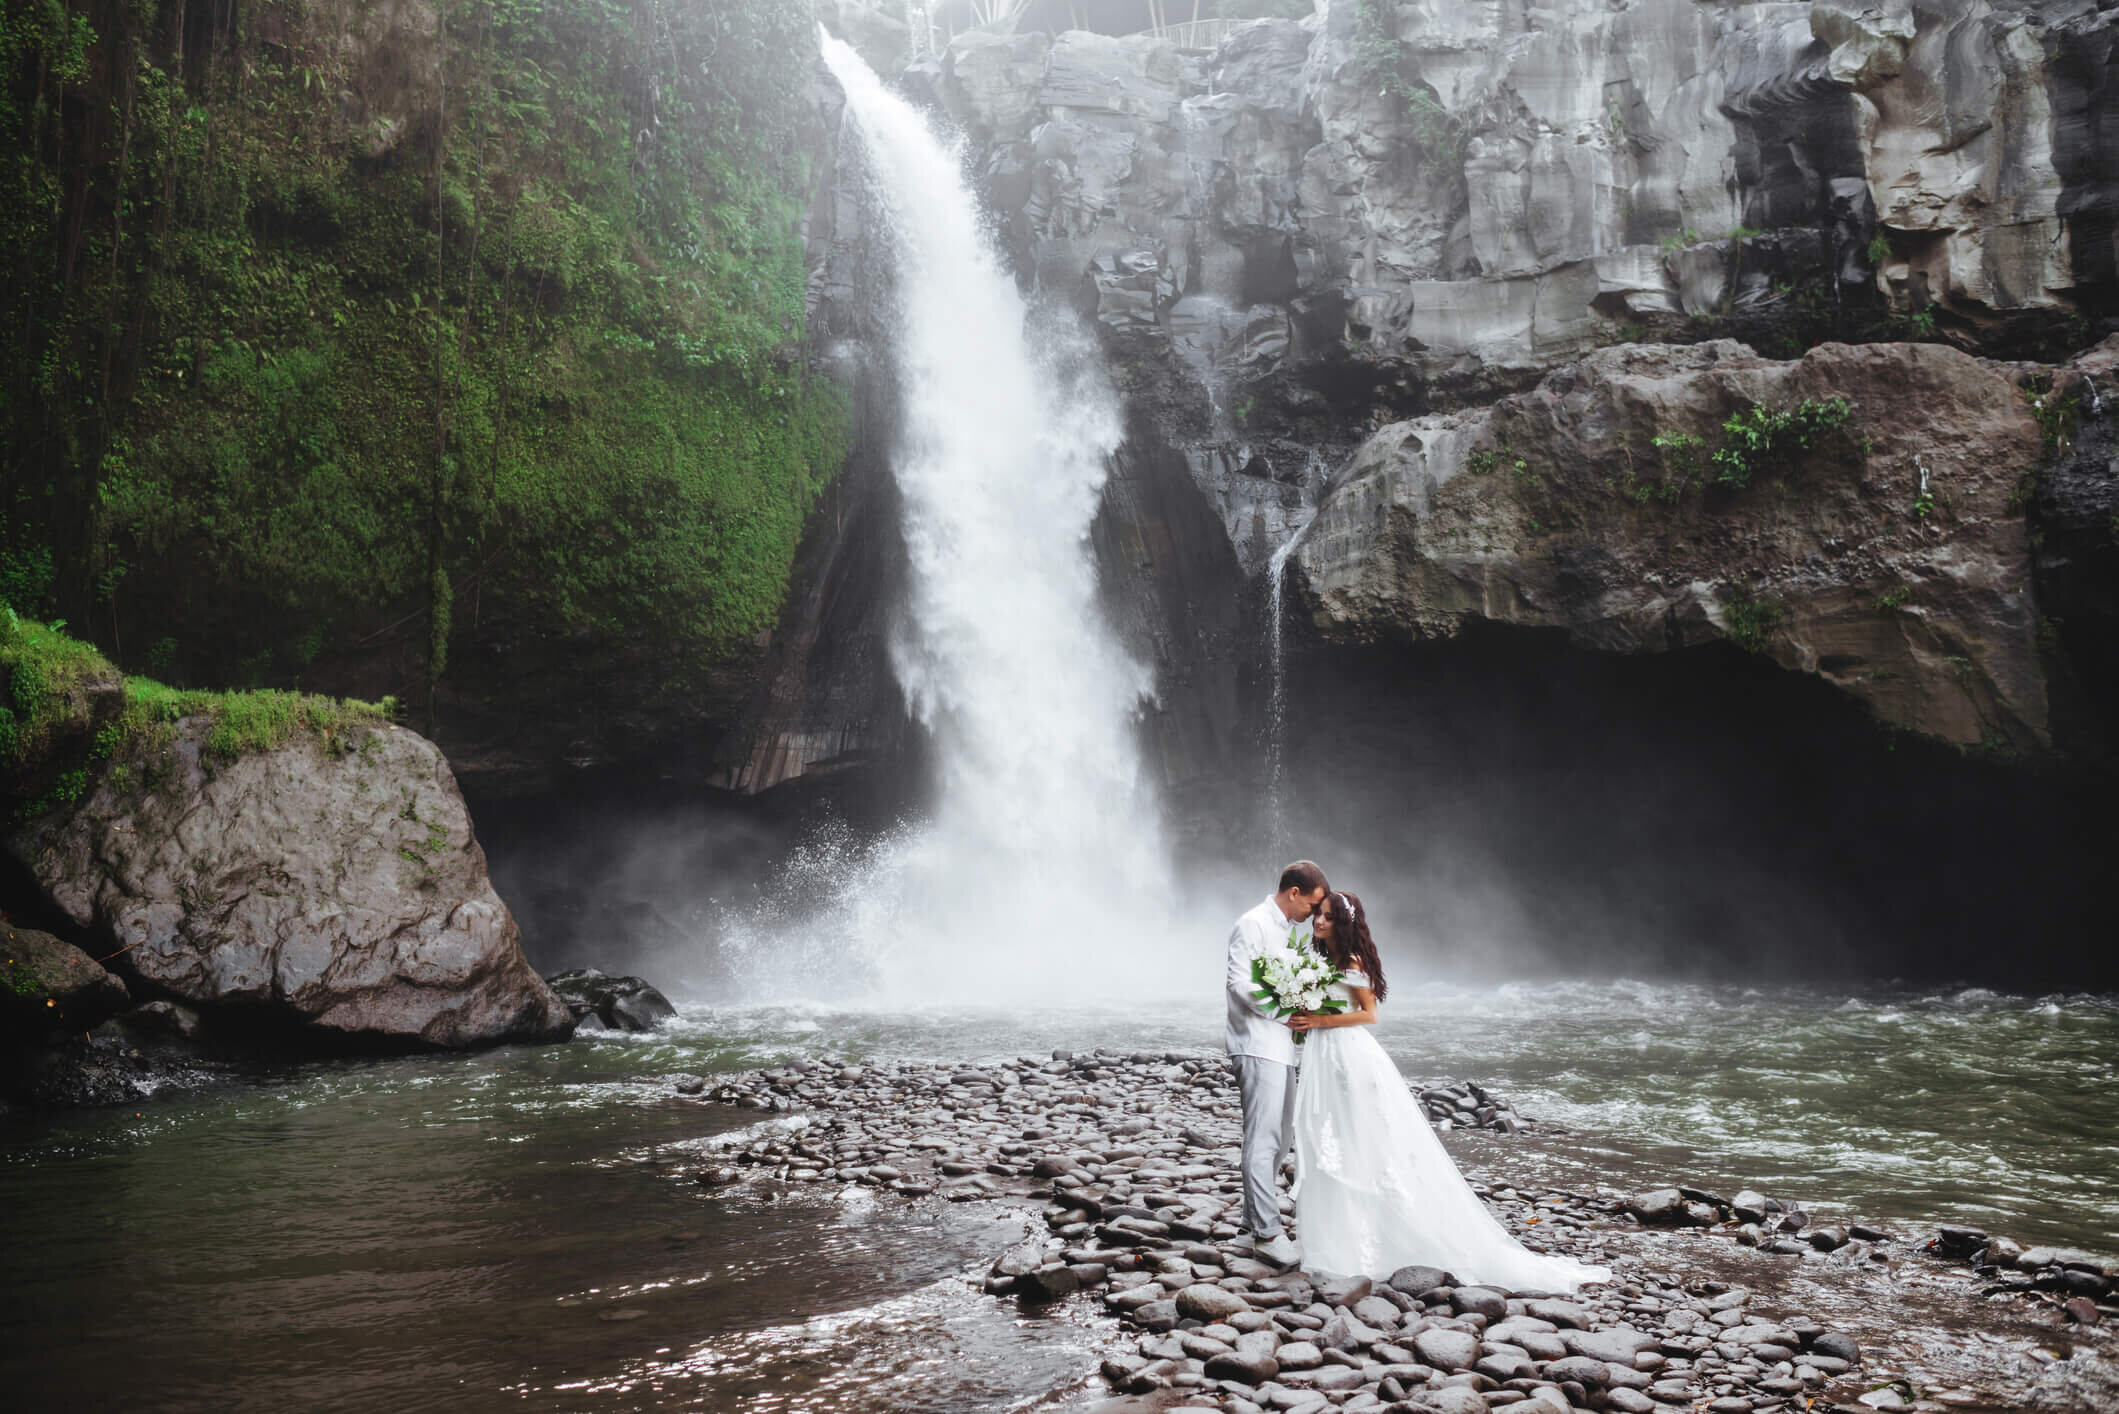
(1303, 875)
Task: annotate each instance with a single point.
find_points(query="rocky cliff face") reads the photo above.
(336, 888)
(1890, 555)
(1352, 258)
(1442, 197)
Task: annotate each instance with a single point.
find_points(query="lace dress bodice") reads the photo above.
(1343, 989)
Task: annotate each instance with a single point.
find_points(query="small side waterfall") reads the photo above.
(1277, 698)
(1314, 473)
(1045, 845)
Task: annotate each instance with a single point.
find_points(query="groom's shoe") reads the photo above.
(1281, 1251)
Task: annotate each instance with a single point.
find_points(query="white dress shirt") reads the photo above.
(1253, 1031)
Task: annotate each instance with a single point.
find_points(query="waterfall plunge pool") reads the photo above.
(515, 1229)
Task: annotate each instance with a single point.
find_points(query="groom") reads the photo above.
(1263, 1050)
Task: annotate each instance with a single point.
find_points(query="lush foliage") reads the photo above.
(319, 325)
(43, 672)
(1762, 440)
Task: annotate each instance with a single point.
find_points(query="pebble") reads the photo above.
(1446, 1349)
(1133, 1155)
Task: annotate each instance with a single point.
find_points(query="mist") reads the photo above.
(1509, 809)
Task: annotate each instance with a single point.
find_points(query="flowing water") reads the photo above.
(513, 1230)
(1007, 428)
(516, 1230)
(1277, 695)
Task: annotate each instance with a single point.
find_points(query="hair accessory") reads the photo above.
(1351, 911)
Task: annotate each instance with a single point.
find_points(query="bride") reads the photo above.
(1374, 1188)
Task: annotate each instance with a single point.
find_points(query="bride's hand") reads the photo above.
(1303, 1021)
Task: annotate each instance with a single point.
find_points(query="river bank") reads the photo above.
(518, 1228)
(1133, 1156)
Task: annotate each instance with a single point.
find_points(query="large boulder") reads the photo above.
(47, 984)
(1889, 556)
(334, 884)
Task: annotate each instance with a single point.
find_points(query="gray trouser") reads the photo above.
(1268, 1090)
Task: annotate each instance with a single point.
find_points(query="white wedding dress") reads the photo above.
(1376, 1191)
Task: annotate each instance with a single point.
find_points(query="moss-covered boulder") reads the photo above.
(49, 985)
(298, 860)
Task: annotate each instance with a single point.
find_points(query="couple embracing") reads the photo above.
(1374, 1188)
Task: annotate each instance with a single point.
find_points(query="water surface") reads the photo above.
(516, 1229)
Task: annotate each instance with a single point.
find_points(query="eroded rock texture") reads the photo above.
(1891, 557)
(1304, 247)
(1485, 190)
(342, 890)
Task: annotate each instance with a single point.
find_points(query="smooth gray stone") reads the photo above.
(1203, 1302)
(1446, 1349)
(1558, 1313)
(1299, 1355)
(1579, 1369)
(1482, 1300)
(1617, 1345)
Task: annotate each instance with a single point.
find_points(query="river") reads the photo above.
(515, 1229)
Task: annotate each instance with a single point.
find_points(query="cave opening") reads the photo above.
(1510, 806)
(1518, 807)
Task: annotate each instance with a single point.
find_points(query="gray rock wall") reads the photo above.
(1495, 188)
(1300, 243)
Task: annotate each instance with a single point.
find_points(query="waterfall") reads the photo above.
(1315, 473)
(1042, 862)
(1277, 698)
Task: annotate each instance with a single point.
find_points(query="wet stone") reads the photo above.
(1415, 1280)
(1249, 1368)
(1446, 1349)
(1202, 1302)
(1449, 1399)
(1836, 1345)
(1480, 1300)
(1579, 1369)
(1156, 1316)
(1557, 1313)
(1616, 1346)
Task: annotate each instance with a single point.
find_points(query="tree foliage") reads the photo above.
(322, 317)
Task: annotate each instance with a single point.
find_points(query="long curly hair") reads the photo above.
(1350, 947)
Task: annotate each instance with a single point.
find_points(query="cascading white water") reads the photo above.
(1043, 861)
(1314, 473)
(1277, 698)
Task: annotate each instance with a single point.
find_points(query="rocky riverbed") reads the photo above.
(1727, 1304)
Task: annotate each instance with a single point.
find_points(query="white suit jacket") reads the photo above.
(1251, 1030)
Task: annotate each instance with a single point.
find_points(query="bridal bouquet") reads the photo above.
(1295, 981)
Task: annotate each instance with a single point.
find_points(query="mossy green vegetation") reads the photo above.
(325, 318)
(1757, 441)
(44, 671)
(1750, 621)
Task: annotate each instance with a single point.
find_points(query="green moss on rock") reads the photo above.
(335, 323)
(54, 735)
